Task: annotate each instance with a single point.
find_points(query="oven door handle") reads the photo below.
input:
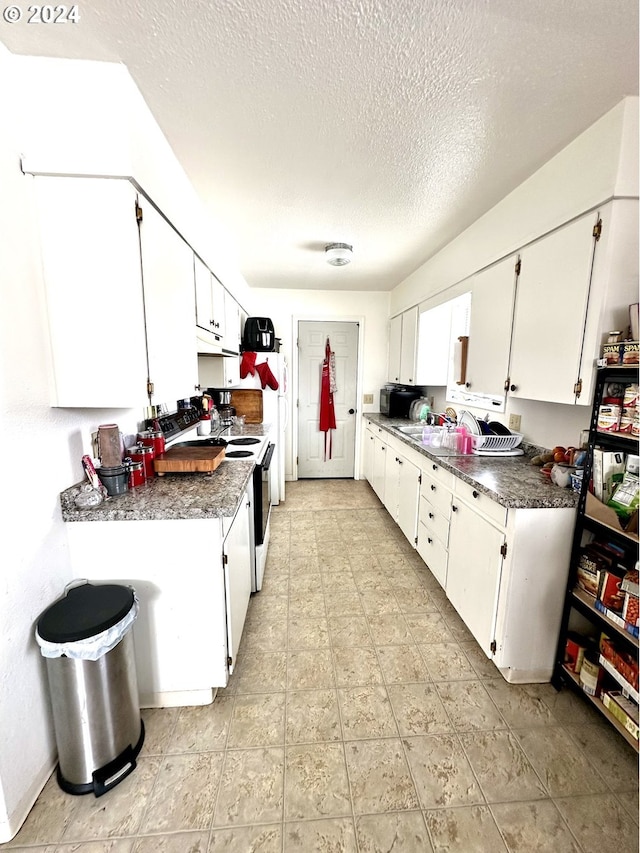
(267, 457)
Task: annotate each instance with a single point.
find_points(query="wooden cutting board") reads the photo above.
(188, 459)
(248, 402)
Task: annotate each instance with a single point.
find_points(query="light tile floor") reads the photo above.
(362, 717)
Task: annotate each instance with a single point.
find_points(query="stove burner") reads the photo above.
(238, 454)
(243, 441)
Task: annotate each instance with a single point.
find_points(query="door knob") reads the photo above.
(352, 411)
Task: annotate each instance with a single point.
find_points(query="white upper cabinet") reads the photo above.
(434, 334)
(91, 271)
(167, 272)
(217, 313)
(117, 319)
(408, 346)
(395, 344)
(492, 300)
(403, 338)
(551, 307)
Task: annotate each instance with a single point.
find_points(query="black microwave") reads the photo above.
(396, 402)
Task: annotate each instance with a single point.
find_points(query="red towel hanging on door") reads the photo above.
(327, 388)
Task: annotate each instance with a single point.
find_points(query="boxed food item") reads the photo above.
(574, 650)
(623, 709)
(587, 572)
(621, 662)
(608, 471)
(630, 582)
(631, 611)
(609, 592)
(629, 352)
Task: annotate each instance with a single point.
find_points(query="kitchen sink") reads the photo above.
(411, 431)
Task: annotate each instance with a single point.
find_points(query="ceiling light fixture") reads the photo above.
(338, 254)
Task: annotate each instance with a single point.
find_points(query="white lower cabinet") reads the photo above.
(502, 569)
(474, 570)
(192, 611)
(236, 560)
(402, 489)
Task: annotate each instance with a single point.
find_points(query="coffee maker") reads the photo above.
(222, 399)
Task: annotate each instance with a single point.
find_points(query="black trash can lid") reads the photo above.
(85, 611)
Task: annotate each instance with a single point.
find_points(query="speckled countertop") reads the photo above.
(174, 496)
(513, 481)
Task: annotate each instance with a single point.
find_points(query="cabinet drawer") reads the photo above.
(438, 473)
(481, 503)
(436, 494)
(433, 553)
(434, 520)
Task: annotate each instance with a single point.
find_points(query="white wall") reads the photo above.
(285, 307)
(599, 164)
(77, 118)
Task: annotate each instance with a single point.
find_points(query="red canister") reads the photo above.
(145, 454)
(137, 476)
(153, 438)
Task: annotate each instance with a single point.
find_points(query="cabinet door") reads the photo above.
(367, 460)
(492, 300)
(408, 346)
(218, 307)
(550, 313)
(91, 271)
(434, 335)
(408, 498)
(379, 462)
(202, 285)
(395, 343)
(167, 273)
(474, 571)
(391, 482)
(231, 324)
(237, 577)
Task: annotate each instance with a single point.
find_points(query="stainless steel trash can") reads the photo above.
(88, 645)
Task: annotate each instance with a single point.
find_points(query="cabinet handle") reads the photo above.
(475, 494)
(454, 508)
(435, 467)
(513, 387)
(433, 488)
(467, 385)
(431, 515)
(429, 540)
(399, 461)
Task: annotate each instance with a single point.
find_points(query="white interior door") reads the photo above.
(312, 339)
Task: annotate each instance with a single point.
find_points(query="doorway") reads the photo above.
(344, 339)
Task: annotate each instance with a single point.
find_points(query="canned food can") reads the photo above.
(609, 418)
(628, 416)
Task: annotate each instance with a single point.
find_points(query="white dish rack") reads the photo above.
(497, 445)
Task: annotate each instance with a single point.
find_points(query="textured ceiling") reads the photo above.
(388, 124)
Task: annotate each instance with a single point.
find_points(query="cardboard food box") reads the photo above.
(623, 709)
(574, 650)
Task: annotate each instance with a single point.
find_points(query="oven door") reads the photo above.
(262, 494)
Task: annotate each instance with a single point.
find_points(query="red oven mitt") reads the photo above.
(248, 364)
(266, 376)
